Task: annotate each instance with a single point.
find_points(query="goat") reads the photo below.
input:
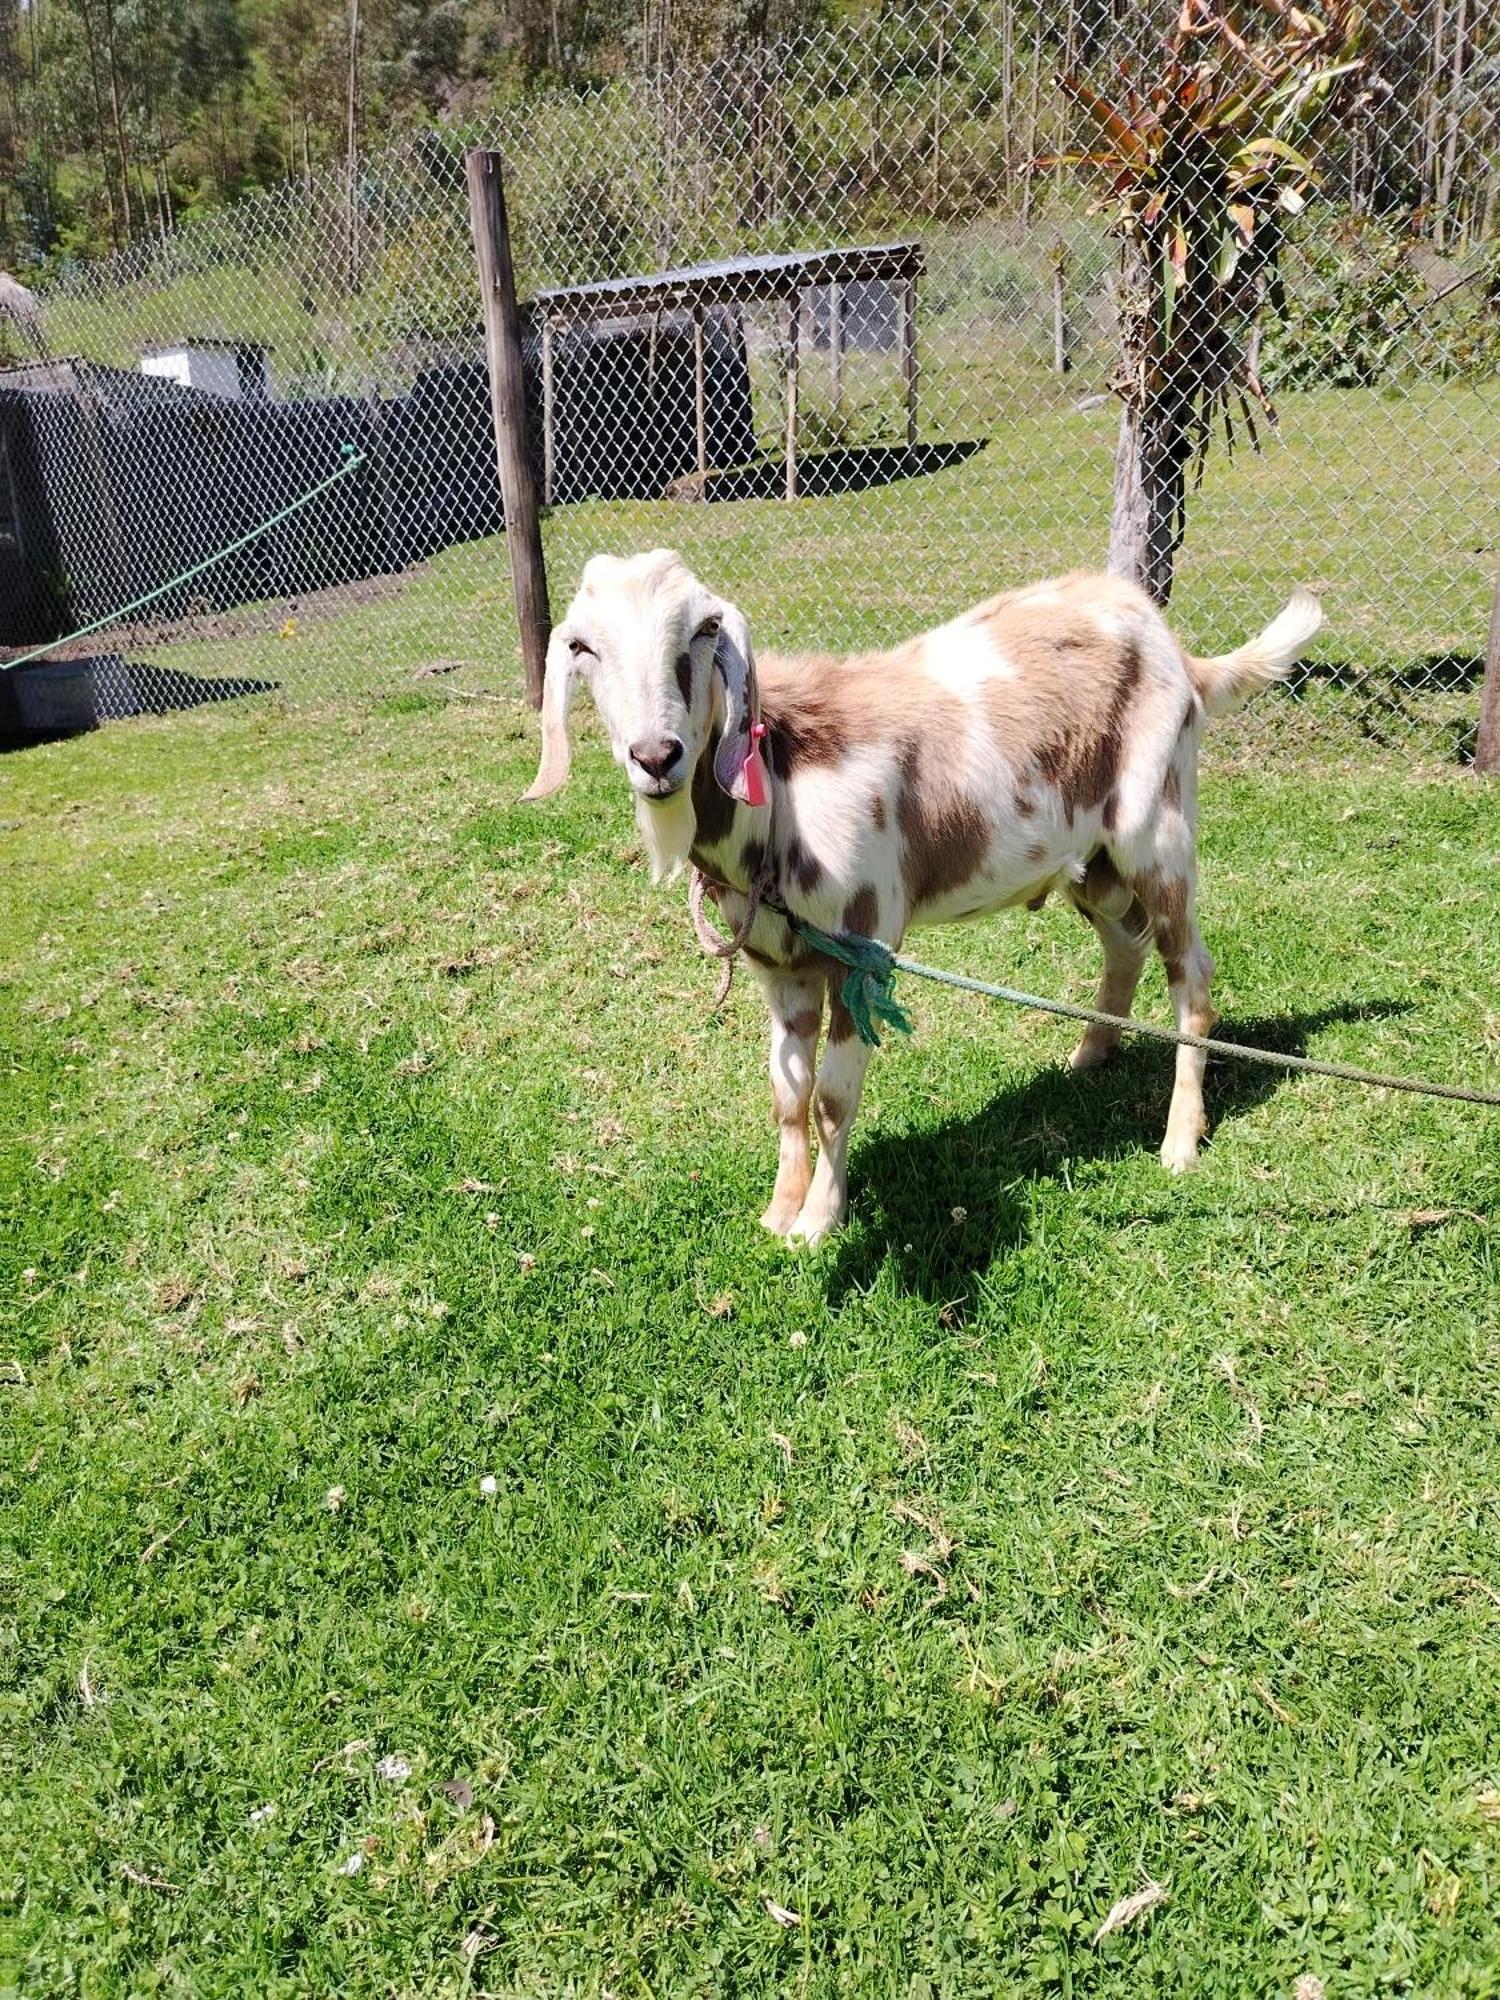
(1045, 740)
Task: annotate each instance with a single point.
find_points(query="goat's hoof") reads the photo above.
(780, 1217)
(808, 1231)
(1180, 1156)
(1089, 1054)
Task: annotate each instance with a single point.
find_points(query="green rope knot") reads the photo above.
(867, 984)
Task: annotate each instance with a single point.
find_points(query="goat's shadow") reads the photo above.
(939, 1207)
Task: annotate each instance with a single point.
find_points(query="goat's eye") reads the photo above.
(708, 629)
(579, 648)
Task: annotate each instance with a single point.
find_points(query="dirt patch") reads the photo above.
(242, 621)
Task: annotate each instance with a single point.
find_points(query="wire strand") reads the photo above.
(352, 461)
(1241, 1051)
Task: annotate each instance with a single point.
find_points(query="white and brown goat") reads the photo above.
(1047, 739)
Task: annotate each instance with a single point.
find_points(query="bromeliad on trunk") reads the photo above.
(1203, 165)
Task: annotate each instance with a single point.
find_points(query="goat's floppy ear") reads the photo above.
(557, 688)
(737, 758)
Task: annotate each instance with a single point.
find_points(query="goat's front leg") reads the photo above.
(796, 1003)
(841, 1078)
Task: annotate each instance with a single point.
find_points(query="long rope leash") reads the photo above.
(352, 461)
(872, 967)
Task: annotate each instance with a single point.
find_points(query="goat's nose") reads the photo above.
(656, 755)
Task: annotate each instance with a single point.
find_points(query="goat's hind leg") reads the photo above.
(1124, 930)
(1168, 900)
(796, 1003)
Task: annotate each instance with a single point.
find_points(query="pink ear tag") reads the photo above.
(755, 784)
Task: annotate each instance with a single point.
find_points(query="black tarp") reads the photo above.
(124, 481)
(33, 587)
(52, 698)
(624, 425)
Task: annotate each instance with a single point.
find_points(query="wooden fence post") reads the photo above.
(1487, 745)
(836, 344)
(1061, 359)
(793, 337)
(700, 400)
(502, 344)
(909, 358)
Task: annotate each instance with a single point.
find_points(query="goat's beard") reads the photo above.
(667, 827)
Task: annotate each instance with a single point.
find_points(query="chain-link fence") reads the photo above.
(853, 445)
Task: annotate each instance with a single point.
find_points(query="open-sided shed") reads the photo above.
(694, 291)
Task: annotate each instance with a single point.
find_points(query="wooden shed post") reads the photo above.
(1487, 747)
(793, 335)
(909, 358)
(549, 416)
(836, 343)
(700, 401)
(502, 344)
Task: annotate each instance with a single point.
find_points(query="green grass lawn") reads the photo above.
(1058, 1530)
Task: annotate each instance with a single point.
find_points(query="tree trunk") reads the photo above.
(87, 18)
(121, 149)
(1455, 119)
(935, 199)
(1007, 95)
(1429, 173)
(1070, 57)
(353, 140)
(1143, 527)
(1033, 121)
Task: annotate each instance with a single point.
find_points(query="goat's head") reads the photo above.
(667, 663)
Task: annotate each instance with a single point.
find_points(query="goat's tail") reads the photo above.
(1223, 683)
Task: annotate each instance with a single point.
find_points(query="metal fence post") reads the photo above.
(502, 343)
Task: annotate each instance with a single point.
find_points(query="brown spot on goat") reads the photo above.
(1165, 901)
(816, 708)
(818, 733)
(944, 833)
(877, 813)
(804, 1024)
(803, 865)
(841, 1026)
(862, 912)
(831, 1110)
(713, 809)
(1036, 851)
(1083, 759)
(1064, 705)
